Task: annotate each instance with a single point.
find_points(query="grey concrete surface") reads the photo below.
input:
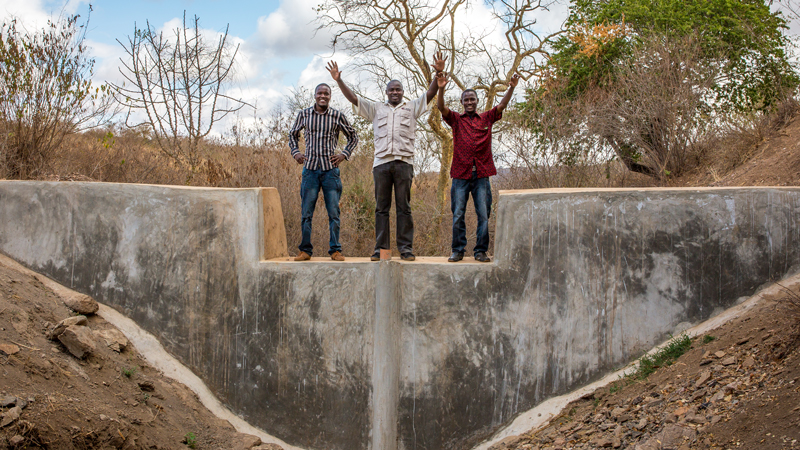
(348, 355)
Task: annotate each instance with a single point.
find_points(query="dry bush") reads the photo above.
(656, 109)
(734, 142)
(46, 93)
(538, 157)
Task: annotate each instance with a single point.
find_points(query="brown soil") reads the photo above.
(739, 390)
(108, 400)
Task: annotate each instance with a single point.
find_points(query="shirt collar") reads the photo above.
(395, 107)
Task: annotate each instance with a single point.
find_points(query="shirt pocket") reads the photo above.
(407, 122)
(381, 125)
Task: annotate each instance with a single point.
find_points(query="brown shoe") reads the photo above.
(337, 256)
(302, 256)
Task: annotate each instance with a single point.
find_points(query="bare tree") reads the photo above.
(177, 82)
(393, 39)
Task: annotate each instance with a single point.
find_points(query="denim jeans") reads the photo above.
(481, 191)
(397, 175)
(331, 185)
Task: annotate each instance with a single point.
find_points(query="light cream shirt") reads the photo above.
(394, 127)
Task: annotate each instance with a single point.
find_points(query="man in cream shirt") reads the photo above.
(394, 124)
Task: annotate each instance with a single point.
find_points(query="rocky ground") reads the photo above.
(71, 381)
(738, 387)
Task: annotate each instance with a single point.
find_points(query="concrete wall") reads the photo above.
(425, 355)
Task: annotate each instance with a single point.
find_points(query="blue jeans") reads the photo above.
(331, 185)
(481, 191)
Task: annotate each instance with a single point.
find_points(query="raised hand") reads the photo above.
(442, 79)
(514, 80)
(438, 62)
(333, 68)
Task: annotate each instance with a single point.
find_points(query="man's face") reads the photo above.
(323, 96)
(394, 92)
(470, 101)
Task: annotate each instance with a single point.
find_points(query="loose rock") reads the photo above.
(10, 416)
(728, 361)
(78, 340)
(704, 377)
(114, 339)
(81, 303)
(8, 400)
(64, 324)
(8, 349)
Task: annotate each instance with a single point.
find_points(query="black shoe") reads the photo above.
(456, 256)
(375, 256)
(481, 257)
(407, 256)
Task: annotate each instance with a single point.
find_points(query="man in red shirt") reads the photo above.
(473, 164)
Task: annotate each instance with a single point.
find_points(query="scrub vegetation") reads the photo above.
(624, 94)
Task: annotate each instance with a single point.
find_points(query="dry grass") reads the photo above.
(737, 142)
(262, 158)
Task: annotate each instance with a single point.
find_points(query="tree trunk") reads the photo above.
(445, 160)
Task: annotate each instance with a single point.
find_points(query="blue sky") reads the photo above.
(278, 47)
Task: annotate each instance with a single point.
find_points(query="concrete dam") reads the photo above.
(395, 355)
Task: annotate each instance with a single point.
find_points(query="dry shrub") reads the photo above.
(736, 140)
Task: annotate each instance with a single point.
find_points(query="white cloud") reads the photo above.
(34, 14)
(289, 31)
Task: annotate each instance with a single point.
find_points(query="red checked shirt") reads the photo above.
(472, 143)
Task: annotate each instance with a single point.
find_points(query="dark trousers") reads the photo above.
(330, 184)
(481, 191)
(397, 175)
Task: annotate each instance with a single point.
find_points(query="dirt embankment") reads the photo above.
(737, 387)
(109, 398)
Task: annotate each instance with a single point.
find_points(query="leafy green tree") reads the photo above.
(738, 63)
(743, 38)
(46, 92)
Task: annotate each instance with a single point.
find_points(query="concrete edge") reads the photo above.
(641, 189)
(540, 416)
(155, 354)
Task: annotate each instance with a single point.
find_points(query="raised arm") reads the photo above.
(336, 74)
(438, 66)
(441, 81)
(512, 83)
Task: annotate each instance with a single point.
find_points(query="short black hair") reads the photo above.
(394, 81)
(322, 84)
(469, 90)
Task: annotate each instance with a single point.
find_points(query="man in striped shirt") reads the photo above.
(322, 125)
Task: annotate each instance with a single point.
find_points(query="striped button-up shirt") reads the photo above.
(321, 136)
